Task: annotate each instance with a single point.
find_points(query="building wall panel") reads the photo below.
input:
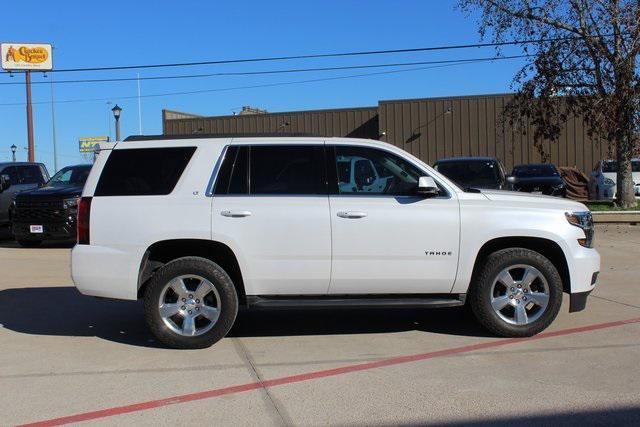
(430, 129)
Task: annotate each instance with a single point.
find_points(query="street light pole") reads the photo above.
(13, 152)
(116, 114)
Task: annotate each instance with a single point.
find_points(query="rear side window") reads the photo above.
(287, 169)
(272, 170)
(233, 177)
(143, 172)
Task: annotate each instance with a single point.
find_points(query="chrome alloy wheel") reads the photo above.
(189, 305)
(520, 294)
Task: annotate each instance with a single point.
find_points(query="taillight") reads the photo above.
(84, 216)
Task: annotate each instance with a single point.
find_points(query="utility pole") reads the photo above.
(53, 130)
(31, 155)
(139, 108)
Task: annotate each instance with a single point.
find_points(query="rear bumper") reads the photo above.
(105, 272)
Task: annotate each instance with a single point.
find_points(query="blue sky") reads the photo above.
(86, 34)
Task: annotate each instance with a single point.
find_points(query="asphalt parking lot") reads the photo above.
(69, 358)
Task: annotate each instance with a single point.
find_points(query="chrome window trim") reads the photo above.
(214, 174)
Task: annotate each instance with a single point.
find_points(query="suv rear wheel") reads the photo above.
(190, 303)
(517, 293)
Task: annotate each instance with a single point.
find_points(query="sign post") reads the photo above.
(26, 57)
(31, 145)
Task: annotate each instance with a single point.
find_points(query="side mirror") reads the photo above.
(5, 182)
(427, 187)
(511, 179)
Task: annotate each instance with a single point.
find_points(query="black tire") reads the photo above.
(29, 243)
(191, 266)
(480, 292)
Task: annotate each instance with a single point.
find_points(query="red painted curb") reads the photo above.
(208, 394)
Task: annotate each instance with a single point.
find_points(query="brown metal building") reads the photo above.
(429, 128)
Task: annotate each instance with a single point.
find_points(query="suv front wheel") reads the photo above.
(517, 293)
(190, 303)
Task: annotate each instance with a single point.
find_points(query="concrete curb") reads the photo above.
(616, 216)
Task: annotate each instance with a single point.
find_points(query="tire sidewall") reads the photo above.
(191, 266)
(481, 297)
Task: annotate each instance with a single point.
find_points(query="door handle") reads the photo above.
(352, 215)
(235, 214)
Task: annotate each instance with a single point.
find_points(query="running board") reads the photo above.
(365, 301)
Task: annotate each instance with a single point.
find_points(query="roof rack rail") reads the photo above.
(134, 138)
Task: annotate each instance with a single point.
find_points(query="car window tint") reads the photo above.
(30, 174)
(224, 173)
(530, 171)
(240, 173)
(143, 171)
(287, 169)
(471, 173)
(375, 172)
(72, 175)
(12, 173)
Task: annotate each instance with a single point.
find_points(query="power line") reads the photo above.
(315, 56)
(284, 71)
(463, 62)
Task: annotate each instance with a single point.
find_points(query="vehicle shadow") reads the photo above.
(63, 311)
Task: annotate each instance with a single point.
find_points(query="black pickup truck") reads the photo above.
(49, 212)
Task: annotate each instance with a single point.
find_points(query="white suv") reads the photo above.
(200, 226)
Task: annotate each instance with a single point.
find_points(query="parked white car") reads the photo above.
(603, 179)
(197, 227)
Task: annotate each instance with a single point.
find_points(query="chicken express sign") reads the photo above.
(26, 56)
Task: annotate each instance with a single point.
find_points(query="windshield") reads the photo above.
(71, 175)
(471, 173)
(611, 166)
(530, 171)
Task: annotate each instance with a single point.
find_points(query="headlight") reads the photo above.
(70, 203)
(582, 220)
(609, 181)
(558, 187)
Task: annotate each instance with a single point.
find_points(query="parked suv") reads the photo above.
(198, 227)
(474, 172)
(539, 178)
(17, 177)
(49, 212)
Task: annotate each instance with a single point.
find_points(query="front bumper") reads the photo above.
(584, 268)
(578, 301)
(64, 231)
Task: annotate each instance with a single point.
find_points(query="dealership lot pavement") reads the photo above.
(63, 354)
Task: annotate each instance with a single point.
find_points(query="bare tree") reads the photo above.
(583, 63)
